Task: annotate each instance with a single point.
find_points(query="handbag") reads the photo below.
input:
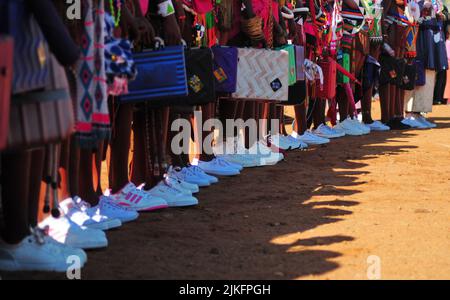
(300, 62)
(420, 72)
(199, 69)
(31, 70)
(391, 70)
(371, 73)
(297, 93)
(262, 75)
(42, 117)
(292, 63)
(6, 67)
(328, 90)
(225, 68)
(160, 74)
(409, 75)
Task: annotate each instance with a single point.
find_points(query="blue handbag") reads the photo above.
(31, 53)
(420, 75)
(160, 74)
(225, 68)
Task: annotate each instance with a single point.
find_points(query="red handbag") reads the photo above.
(6, 61)
(328, 90)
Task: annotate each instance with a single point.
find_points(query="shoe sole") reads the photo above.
(153, 208)
(54, 267)
(90, 245)
(221, 174)
(331, 137)
(105, 225)
(184, 203)
(130, 219)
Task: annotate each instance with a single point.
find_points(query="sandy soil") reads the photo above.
(319, 215)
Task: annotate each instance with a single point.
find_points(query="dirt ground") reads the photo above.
(330, 212)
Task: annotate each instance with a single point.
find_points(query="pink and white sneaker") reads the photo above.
(132, 197)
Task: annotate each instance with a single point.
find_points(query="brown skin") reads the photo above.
(172, 34)
(366, 103)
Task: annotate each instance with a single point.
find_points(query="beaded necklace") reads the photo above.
(116, 18)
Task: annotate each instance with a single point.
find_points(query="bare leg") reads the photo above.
(120, 147)
(15, 195)
(385, 101)
(36, 175)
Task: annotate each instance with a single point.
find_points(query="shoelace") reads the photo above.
(80, 204)
(39, 234)
(167, 186)
(113, 204)
(220, 162)
(195, 170)
(170, 182)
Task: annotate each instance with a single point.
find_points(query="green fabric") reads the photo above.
(345, 63)
(292, 63)
(210, 20)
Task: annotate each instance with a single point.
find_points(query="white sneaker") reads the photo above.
(249, 159)
(197, 171)
(364, 129)
(233, 165)
(110, 208)
(188, 176)
(378, 126)
(311, 139)
(423, 120)
(413, 122)
(280, 141)
(193, 188)
(265, 155)
(245, 160)
(218, 167)
(175, 184)
(327, 132)
(173, 197)
(76, 210)
(132, 197)
(296, 141)
(66, 232)
(38, 252)
(348, 127)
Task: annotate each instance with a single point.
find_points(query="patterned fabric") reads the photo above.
(411, 37)
(263, 9)
(118, 55)
(421, 98)
(92, 117)
(206, 21)
(374, 11)
(431, 45)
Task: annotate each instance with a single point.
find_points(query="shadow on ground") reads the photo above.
(237, 231)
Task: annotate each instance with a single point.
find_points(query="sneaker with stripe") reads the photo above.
(139, 200)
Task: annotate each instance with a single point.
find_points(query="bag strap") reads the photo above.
(44, 96)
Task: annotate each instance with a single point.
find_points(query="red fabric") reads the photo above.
(262, 8)
(328, 90)
(332, 112)
(144, 6)
(236, 19)
(202, 6)
(6, 61)
(275, 11)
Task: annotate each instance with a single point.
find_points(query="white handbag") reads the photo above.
(262, 75)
